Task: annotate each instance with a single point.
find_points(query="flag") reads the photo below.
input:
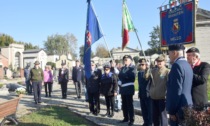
(127, 25)
(92, 34)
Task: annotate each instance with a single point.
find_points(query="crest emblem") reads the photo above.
(88, 38)
(176, 26)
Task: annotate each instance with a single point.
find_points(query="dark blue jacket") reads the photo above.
(127, 75)
(179, 87)
(93, 83)
(77, 74)
(143, 85)
(108, 84)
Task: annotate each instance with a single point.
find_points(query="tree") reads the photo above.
(154, 43)
(101, 51)
(81, 53)
(5, 40)
(61, 44)
(28, 45)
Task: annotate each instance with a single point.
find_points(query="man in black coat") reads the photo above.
(93, 86)
(78, 78)
(63, 76)
(201, 71)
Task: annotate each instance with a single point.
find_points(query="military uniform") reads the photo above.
(127, 78)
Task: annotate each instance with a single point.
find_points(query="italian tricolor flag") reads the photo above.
(127, 25)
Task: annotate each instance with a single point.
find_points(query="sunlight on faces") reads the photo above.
(93, 67)
(127, 61)
(160, 64)
(191, 58)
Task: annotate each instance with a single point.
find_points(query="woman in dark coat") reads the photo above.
(109, 89)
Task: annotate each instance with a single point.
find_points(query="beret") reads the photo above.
(142, 61)
(193, 49)
(176, 47)
(160, 58)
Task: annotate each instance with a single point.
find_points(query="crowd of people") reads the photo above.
(162, 91)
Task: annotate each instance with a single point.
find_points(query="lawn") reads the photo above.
(53, 116)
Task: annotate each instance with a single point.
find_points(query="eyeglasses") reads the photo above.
(107, 69)
(141, 64)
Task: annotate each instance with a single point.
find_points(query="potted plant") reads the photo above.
(20, 91)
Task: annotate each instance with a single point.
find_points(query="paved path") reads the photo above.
(78, 106)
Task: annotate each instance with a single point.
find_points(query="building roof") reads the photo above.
(203, 12)
(32, 51)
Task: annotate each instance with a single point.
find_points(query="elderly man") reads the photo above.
(126, 81)
(201, 72)
(179, 84)
(158, 92)
(37, 77)
(78, 78)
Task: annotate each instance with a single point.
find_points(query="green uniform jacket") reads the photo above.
(36, 74)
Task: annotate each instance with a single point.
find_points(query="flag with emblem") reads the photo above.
(92, 34)
(127, 25)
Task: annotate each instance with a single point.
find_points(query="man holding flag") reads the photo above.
(93, 75)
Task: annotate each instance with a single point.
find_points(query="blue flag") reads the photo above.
(92, 34)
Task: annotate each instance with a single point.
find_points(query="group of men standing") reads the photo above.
(163, 91)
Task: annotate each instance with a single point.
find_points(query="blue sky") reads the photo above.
(34, 20)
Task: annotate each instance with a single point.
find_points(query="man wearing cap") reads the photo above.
(126, 81)
(37, 77)
(157, 92)
(93, 86)
(201, 71)
(64, 79)
(179, 84)
(78, 78)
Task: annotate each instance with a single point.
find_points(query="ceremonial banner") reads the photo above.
(92, 34)
(178, 24)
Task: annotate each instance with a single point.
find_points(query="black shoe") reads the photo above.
(79, 97)
(35, 102)
(49, 95)
(112, 114)
(39, 102)
(130, 124)
(46, 95)
(124, 120)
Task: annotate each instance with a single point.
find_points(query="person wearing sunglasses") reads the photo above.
(109, 89)
(144, 82)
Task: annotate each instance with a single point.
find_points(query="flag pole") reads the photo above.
(102, 33)
(137, 35)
